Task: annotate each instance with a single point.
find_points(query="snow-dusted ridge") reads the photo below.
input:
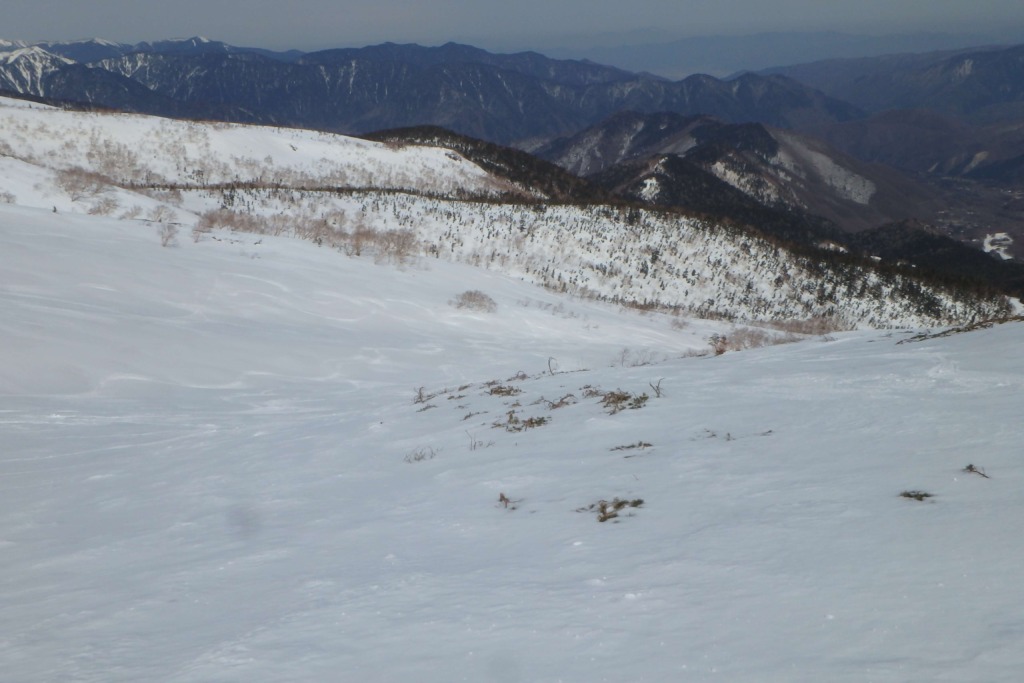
(25, 68)
(333, 188)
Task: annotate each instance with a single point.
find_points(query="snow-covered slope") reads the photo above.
(406, 200)
(145, 150)
(252, 459)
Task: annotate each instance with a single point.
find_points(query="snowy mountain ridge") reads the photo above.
(24, 69)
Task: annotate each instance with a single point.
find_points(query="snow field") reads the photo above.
(206, 476)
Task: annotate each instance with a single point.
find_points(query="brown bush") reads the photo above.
(475, 300)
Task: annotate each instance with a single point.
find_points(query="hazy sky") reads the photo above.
(501, 24)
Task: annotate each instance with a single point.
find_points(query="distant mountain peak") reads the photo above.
(12, 44)
(33, 53)
(84, 41)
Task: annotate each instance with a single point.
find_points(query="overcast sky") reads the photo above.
(494, 24)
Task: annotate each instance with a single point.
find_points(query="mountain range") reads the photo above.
(502, 98)
(801, 151)
(282, 404)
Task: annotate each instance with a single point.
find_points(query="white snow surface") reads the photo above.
(213, 469)
(1000, 243)
(650, 189)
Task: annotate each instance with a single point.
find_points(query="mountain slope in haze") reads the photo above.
(955, 113)
(979, 85)
(724, 55)
(774, 167)
(502, 98)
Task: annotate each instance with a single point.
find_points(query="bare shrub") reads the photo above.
(811, 326)
(104, 207)
(743, 338)
(475, 300)
(567, 400)
(7, 198)
(79, 183)
(618, 400)
(396, 246)
(514, 423)
(609, 509)
(719, 343)
(114, 159)
(232, 220)
(656, 387)
(633, 359)
(168, 195)
(421, 454)
(475, 443)
(422, 395)
(361, 238)
(319, 231)
(160, 214)
(131, 213)
(168, 235)
(639, 444)
(753, 337)
(980, 471)
(198, 232)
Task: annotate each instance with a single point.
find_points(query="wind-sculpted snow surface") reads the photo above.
(248, 458)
